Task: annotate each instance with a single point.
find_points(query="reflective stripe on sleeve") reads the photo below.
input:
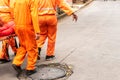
(4, 7)
(46, 8)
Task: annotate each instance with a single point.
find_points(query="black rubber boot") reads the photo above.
(30, 72)
(49, 58)
(2, 61)
(17, 69)
(39, 50)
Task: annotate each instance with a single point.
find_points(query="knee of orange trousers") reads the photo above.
(5, 46)
(31, 61)
(20, 56)
(13, 44)
(4, 50)
(3, 55)
(40, 44)
(50, 49)
(4, 42)
(41, 41)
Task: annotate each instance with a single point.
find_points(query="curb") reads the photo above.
(64, 14)
(87, 3)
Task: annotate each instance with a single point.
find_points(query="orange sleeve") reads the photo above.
(12, 2)
(65, 7)
(34, 13)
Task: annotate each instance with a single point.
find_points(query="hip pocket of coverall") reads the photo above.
(51, 20)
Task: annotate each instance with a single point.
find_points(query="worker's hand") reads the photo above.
(37, 36)
(75, 17)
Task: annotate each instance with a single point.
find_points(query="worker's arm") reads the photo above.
(34, 13)
(67, 9)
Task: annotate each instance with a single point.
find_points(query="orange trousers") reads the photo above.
(28, 46)
(5, 45)
(48, 29)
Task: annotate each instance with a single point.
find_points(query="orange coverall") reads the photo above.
(5, 45)
(5, 15)
(48, 22)
(26, 20)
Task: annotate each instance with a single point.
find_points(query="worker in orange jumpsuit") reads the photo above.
(4, 53)
(27, 30)
(48, 23)
(6, 23)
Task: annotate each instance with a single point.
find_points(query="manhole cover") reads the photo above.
(52, 71)
(49, 73)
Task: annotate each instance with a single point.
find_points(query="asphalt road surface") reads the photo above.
(92, 44)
